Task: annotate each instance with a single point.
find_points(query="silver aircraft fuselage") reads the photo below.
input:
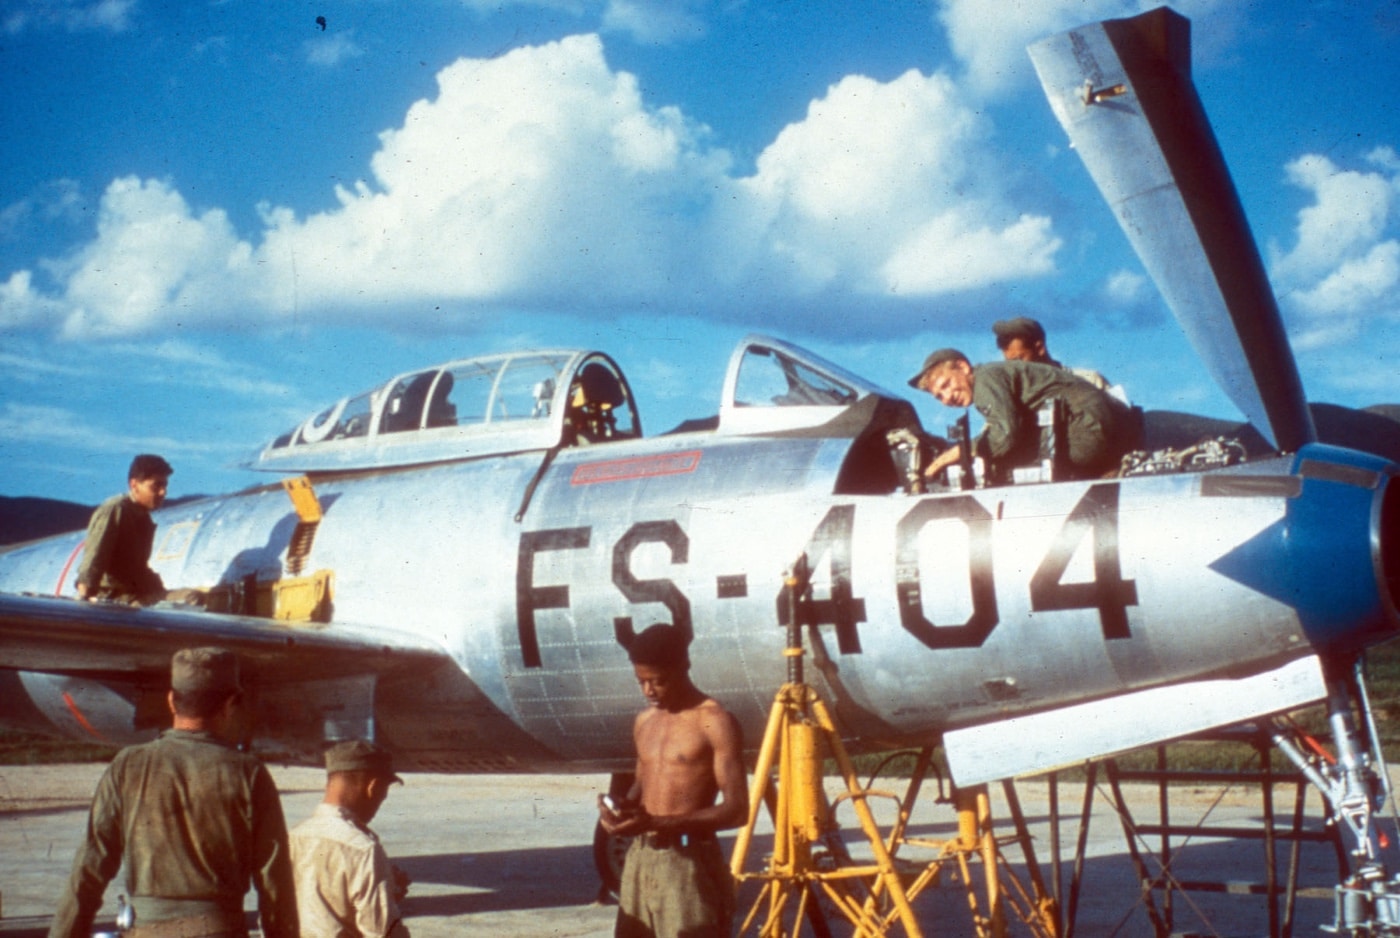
(487, 564)
(932, 612)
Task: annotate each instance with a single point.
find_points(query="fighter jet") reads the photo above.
(459, 556)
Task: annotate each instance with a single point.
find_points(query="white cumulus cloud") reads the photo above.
(950, 254)
(881, 189)
(1357, 283)
(526, 176)
(1349, 212)
(22, 305)
(541, 178)
(1343, 267)
(153, 262)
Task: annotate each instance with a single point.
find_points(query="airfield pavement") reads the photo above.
(511, 855)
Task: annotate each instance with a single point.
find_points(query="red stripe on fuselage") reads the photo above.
(640, 467)
(78, 715)
(58, 587)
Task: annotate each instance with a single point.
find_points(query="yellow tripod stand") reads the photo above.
(799, 735)
(809, 863)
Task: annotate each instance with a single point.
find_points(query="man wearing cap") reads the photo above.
(1023, 339)
(195, 819)
(346, 887)
(1099, 428)
(117, 553)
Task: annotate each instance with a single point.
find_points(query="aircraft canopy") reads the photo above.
(536, 400)
(489, 405)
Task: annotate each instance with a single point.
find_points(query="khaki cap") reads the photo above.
(204, 669)
(933, 361)
(358, 755)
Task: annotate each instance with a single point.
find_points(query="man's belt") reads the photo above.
(184, 918)
(670, 840)
(208, 925)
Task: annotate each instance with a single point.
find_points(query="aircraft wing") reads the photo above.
(106, 641)
(1122, 90)
(1053, 739)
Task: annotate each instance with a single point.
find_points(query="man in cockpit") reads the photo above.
(1099, 428)
(1023, 339)
(592, 398)
(117, 553)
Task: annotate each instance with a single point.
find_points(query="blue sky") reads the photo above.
(217, 217)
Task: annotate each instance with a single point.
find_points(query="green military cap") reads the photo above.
(933, 361)
(358, 755)
(204, 669)
(1021, 327)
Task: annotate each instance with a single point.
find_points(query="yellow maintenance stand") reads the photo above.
(799, 734)
(808, 863)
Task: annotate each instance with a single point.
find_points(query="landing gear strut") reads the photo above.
(1356, 786)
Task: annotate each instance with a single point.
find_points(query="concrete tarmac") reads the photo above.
(512, 855)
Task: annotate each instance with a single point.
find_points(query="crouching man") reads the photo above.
(116, 563)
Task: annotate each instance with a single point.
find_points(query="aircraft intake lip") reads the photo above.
(1385, 540)
(1332, 557)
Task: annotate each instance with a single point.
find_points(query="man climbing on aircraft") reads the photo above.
(195, 820)
(1023, 339)
(1099, 428)
(116, 558)
(345, 883)
(690, 784)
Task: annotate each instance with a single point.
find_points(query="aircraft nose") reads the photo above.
(1334, 556)
(1345, 529)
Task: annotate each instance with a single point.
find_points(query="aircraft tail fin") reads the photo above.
(1122, 89)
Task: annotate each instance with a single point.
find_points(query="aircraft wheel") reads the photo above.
(609, 851)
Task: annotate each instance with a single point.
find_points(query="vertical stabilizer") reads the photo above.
(1122, 90)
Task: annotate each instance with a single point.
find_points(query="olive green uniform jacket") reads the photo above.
(117, 553)
(1099, 428)
(196, 820)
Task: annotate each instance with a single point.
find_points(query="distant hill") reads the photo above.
(24, 519)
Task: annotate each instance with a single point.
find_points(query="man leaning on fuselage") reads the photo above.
(1099, 428)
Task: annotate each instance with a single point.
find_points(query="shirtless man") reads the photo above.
(690, 783)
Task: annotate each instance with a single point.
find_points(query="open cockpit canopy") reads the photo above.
(774, 386)
(537, 400)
